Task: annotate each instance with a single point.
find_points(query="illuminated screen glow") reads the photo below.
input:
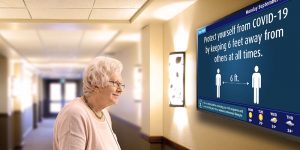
(247, 66)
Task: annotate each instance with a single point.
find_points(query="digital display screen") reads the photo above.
(247, 66)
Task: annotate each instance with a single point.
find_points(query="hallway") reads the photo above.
(166, 96)
(40, 137)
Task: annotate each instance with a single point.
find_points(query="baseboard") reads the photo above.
(4, 115)
(173, 144)
(164, 140)
(150, 139)
(19, 147)
(24, 135)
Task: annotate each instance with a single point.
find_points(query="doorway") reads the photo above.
(58, 93)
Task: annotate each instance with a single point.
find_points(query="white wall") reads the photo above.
(152, 62)
(146, 113)
(156, 80)
(128, 108)
(146, 80)
(22, 94)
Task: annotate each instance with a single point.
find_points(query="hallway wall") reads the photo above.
(22, 96)
(128, 108)
(16, 111)
(200, 130)
(152, 60)
(5, 114)
(4, 103)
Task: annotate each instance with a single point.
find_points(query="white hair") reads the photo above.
(98, 73)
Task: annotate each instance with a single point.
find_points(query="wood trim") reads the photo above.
(144, 136)
(17, 112)
(156, 139)
(152, 139)
(163, 140)
(18, 147)
(4, 115)
(13, 113)
(35, 115)
(17, 127)
(6, 130)
(173, 144)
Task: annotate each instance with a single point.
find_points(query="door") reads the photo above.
(59, 93)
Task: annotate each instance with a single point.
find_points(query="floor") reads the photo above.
(40, 138)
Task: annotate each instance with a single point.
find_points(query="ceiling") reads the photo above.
(58, 37)
(70, 9)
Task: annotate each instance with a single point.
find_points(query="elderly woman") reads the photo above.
(85, 124)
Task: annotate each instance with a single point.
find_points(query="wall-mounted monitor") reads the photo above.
(248, 66)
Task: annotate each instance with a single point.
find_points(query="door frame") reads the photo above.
(46, 92)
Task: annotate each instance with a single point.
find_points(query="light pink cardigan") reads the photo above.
(77, 128)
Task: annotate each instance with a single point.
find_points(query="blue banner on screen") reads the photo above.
(248, 68)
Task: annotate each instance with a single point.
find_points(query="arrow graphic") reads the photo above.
(239, 83)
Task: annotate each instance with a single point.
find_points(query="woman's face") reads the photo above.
(113, 90)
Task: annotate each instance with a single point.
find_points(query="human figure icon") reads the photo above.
(256, 84)
(218, 82)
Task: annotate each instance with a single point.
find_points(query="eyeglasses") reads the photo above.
(118, 84)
